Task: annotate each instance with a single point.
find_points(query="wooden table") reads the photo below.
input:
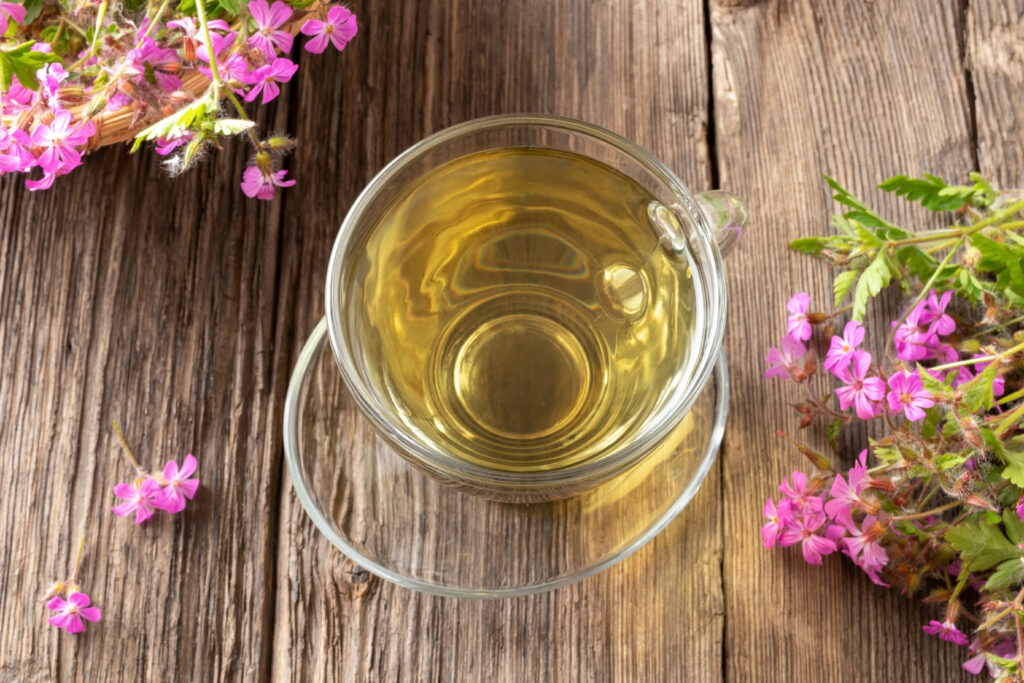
(178, 307)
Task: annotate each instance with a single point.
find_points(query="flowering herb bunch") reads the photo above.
(79, 74)
(933, 507)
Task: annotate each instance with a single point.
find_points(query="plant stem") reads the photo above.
(1010, 398)
(1004, 426)
(128, 451)
(214, 72)
(927, 513)
(933, 235)
(78, 560)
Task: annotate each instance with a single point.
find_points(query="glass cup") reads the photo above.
(569, 363)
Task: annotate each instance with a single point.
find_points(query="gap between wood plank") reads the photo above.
(972, 105)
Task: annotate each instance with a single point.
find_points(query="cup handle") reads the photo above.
(727, 214)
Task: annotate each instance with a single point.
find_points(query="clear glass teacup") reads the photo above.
(524, 306)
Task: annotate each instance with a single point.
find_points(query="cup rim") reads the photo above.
(648, 435)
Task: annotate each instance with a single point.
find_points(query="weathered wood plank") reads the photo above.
(128, 295)
(857, 90)
(636, 67)
(995, 54)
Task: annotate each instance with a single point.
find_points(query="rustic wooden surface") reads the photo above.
(178, 307)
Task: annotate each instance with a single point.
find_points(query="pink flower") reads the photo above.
(864, 548)
(339, 28)
(860, 391)
(841, 349)
(256, 183)
(59, 140)
(141, 497)
(946, 631)
(12, 10)
(268, 21)
(179, 486)
(70, 612)
(778, 518)
(916, 338)
(798, 494)
(151, 59)
(801, 530)
(908, 395)
(193, 38)
(267, 77)
(782, 361)
(935, 314)
(233, 70)
(50, 77)
(172, 141)
(797, 324)
(14, 151)
(44, 183)
(846, 496)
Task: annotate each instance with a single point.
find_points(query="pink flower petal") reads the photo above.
(91, 613)
(317, 45)
(188, 466)
(80, 599)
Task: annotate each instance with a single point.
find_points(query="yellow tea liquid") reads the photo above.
(516, 309)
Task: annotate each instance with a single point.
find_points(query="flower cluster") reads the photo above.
(167, 490)
(157, 76)
(934, 507)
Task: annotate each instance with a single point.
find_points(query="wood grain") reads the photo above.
(635, 67)
(995, 52)
(859, 91)
(128, 295)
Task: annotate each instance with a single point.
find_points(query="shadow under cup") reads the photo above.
(525, 306)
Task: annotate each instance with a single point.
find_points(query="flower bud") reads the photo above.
(816, 318)
(55, 589)
(279, 144)
(972, 257)
(979, 502)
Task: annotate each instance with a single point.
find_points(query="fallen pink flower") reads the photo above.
(178, 487)
(70, 612)
(141, 497)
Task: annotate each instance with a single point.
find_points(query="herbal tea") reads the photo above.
(516, 308)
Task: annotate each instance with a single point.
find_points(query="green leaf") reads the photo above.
(230, 6)
(981, 546)
(931, 191)
(22, 63)
(860, 211)
(1014, 526)
(842, 284)
(920, 264)
(929, 427)
(832, 432)
(1014, 470)
(875, 277)
(32, 9)
(808, 245)
(180, 120)
(232, 126)
(948, 461)
(1008, 573)
(984, 193)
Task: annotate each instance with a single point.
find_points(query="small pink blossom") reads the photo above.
(70, 612)
(256, 183)
(908, 395)
(267, 77)
(178, 487)
(14, 151)
(864, 548)
(148, 58)
(12, 10)
(268, 23)
(797, 324)
(935, 314)
(59, 141)
(801, 498)
(802, 530)
(846, 495)
(339, 28)
(946, 631)
(782, 361)
(860, 391)
(193, 38)
(778, 517)
(141, 497)
(841, 349)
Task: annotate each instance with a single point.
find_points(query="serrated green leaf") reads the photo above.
(981, 546)
(920, 264)
(875, 277)
(842, 284)
(929, 426)
(1008, 573)
(1014, 526)
(949, 461)
(933, 385)
(860, 210)
(1014, 470)
(931, 191)
(232, 126)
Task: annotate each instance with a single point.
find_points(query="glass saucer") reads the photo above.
(404, 526)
